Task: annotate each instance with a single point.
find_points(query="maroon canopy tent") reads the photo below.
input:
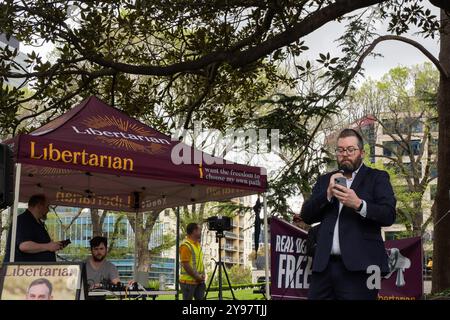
(95, 156)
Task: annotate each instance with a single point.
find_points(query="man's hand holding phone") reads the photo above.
(65, 243)
(345, 195)
(332, 183)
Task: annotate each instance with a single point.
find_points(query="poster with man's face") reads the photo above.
(41, 282)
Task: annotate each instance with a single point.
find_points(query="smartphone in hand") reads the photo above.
(65, 243)
(341, 181)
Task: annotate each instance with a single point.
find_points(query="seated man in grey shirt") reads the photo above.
(98, 269)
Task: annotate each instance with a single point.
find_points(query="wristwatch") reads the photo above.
(360, 206)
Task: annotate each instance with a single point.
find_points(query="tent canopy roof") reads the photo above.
(98, 157)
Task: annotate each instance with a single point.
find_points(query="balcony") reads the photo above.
(230, 247)
(229, 260)
(231, 235)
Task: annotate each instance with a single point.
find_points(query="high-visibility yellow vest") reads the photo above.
(196, 262)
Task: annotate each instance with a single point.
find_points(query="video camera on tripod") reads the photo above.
(219, 223)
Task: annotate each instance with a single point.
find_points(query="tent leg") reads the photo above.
(13, 214)
(135, 277)
(177, 255)
(266, 247)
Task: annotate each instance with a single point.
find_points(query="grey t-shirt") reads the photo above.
(107, 271)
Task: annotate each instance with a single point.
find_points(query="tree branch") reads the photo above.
(238, 58)
(208, 84)
(75, 217)
(415, 44)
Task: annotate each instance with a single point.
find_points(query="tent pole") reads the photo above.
(13, 214)
(135, 245)
(177, 255)
(266, 246)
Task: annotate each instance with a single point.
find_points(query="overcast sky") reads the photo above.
(394, 53)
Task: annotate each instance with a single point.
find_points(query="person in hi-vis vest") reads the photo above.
(192, 275)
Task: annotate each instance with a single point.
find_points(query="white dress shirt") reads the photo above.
(335, 248)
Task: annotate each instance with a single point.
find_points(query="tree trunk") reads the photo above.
(143, 258)
(97, 221)
(143, 254)
(417, 222)
(441, 250)
(96, 226)
(116, 232)
(142, 231)
(1, 229)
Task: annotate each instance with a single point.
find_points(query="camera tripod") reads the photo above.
(220, 265)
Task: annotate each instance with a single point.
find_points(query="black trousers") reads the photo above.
(193, 291)
(338, 283)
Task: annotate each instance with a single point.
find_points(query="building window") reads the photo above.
(390, 148)
(402, 126)
(433, 170)
(418, 167)
(417, 126)
(434, 125)
(433, 191)
(415, 146)
(434, 145)
(393, 148)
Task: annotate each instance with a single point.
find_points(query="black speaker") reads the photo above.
(6, 176)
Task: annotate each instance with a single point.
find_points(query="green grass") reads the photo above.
(241, 294)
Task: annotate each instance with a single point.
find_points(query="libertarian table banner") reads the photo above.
(291, 267)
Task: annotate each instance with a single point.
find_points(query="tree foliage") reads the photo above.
(403, 105)
(189, 58)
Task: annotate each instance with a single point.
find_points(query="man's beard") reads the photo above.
(349, 166)
(98, 259)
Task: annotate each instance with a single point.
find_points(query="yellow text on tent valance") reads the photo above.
(50, 153)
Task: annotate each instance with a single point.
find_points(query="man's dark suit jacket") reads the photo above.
(360, 238)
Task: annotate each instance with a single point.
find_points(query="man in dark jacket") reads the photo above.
(33, 243)
(349, 238)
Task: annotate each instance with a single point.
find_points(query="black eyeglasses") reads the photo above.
(350, 151)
